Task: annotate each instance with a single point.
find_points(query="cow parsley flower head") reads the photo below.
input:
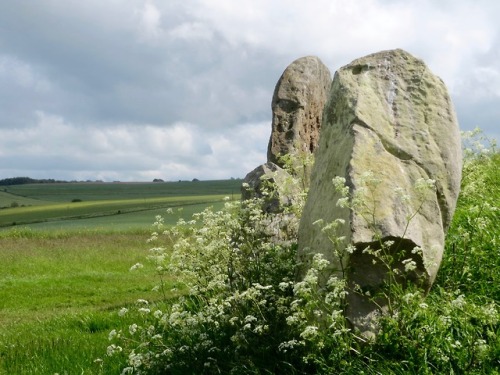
(136, 266)
(122, 311)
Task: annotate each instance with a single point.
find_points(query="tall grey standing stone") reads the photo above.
(388, 114)
(298, 101)
(297, 107)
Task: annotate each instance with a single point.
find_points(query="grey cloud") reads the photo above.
(108, 73)
(142, 87)
(55, 148)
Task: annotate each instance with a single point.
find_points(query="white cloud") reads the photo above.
(131, 152)
(149, 20)
(191, 31)
(446, 34)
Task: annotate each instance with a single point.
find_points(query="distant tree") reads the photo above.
(27, 180)
(16, 181)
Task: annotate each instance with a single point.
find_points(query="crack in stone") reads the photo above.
(406, 157)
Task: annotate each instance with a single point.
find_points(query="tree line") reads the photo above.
(26, 180)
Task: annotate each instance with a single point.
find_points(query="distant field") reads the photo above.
(8, 200)
(67, 192)
(98, 205)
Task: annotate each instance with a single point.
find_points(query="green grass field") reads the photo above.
(59, 296)
(64, 266)
(66, 192)
(90, 205)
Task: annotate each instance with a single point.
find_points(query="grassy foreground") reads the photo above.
(59, 296)
(64, 267)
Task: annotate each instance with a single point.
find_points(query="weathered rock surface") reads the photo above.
(298, 101)
(388, 114)
(273, 185)
(267, 177)
(297, 105)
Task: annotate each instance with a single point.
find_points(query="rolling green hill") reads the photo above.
(8, 200)
(89, 205)
(67, 192)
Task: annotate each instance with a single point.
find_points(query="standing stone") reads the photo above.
(388, 114)
(298, 101)
(263, 178)
(297, 106)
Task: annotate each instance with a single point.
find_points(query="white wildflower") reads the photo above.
(260, 329)
(132, 329)
(135, 359)
(144, 310)
(405, 198)
(490, 314)
(343, 202)
(284, 285)
(445, 320)
(112, 335)
(410, 265)
(389, 243)
(136, 266)
(417, 250)
(261, 287)
(350, 249)
(409, 296)
(250, 319)
(457, 344)
(481, 347)
(459, 302)
(122, 311)
(319, 262)
(309, 332)
(113, 349)
(424, 185)
(339, 184)
(284, 346)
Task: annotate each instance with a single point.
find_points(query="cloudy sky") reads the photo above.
(133, 90)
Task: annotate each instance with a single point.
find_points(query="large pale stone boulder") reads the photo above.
(387, 114)
(297, 105)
